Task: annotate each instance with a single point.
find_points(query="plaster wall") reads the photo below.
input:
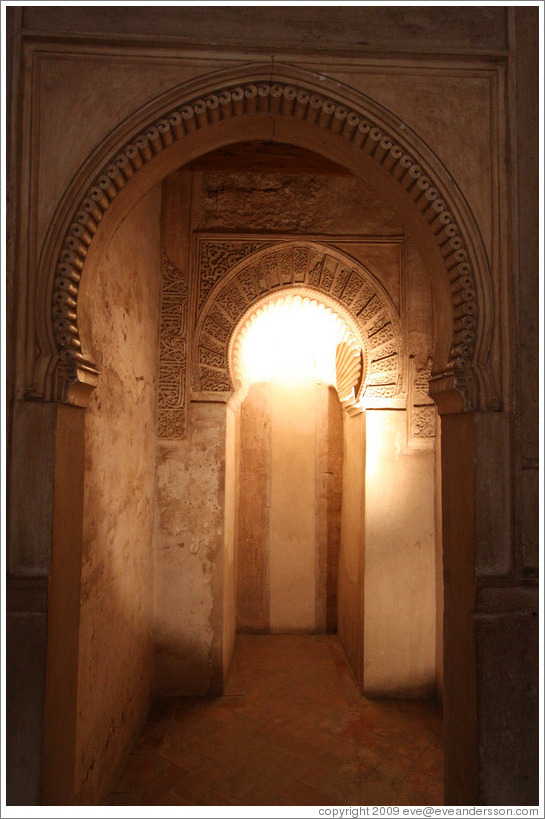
(116, 656)
(399, 657)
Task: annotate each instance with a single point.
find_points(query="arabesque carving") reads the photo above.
(171, 403)
(287, 100)
(216, 258)
(421, 410)
(319, 272)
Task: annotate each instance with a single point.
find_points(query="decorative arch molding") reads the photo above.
(319, 272)
(361, 127)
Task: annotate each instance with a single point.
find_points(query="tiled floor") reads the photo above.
(291, 729)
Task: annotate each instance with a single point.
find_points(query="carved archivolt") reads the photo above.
(314, 270)
(299, 102)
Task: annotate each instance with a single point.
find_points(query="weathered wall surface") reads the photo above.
(399, 639)
(189, 556)
(291, 202)
(116, 657)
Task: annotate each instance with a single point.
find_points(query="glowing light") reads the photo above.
(290, 340)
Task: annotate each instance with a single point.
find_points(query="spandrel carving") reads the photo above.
(217, 258)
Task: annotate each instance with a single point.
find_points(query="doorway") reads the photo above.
(332, 531)
(191, 654)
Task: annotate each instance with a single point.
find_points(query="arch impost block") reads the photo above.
(353, 119)
(449, 393)
(75, 383)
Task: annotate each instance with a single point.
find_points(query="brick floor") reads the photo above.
(290, 729)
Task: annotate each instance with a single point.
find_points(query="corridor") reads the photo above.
(291, 729)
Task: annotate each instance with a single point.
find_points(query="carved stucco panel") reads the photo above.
(421, 410)
(171, 398)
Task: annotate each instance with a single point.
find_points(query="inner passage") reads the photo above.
(290, 357)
